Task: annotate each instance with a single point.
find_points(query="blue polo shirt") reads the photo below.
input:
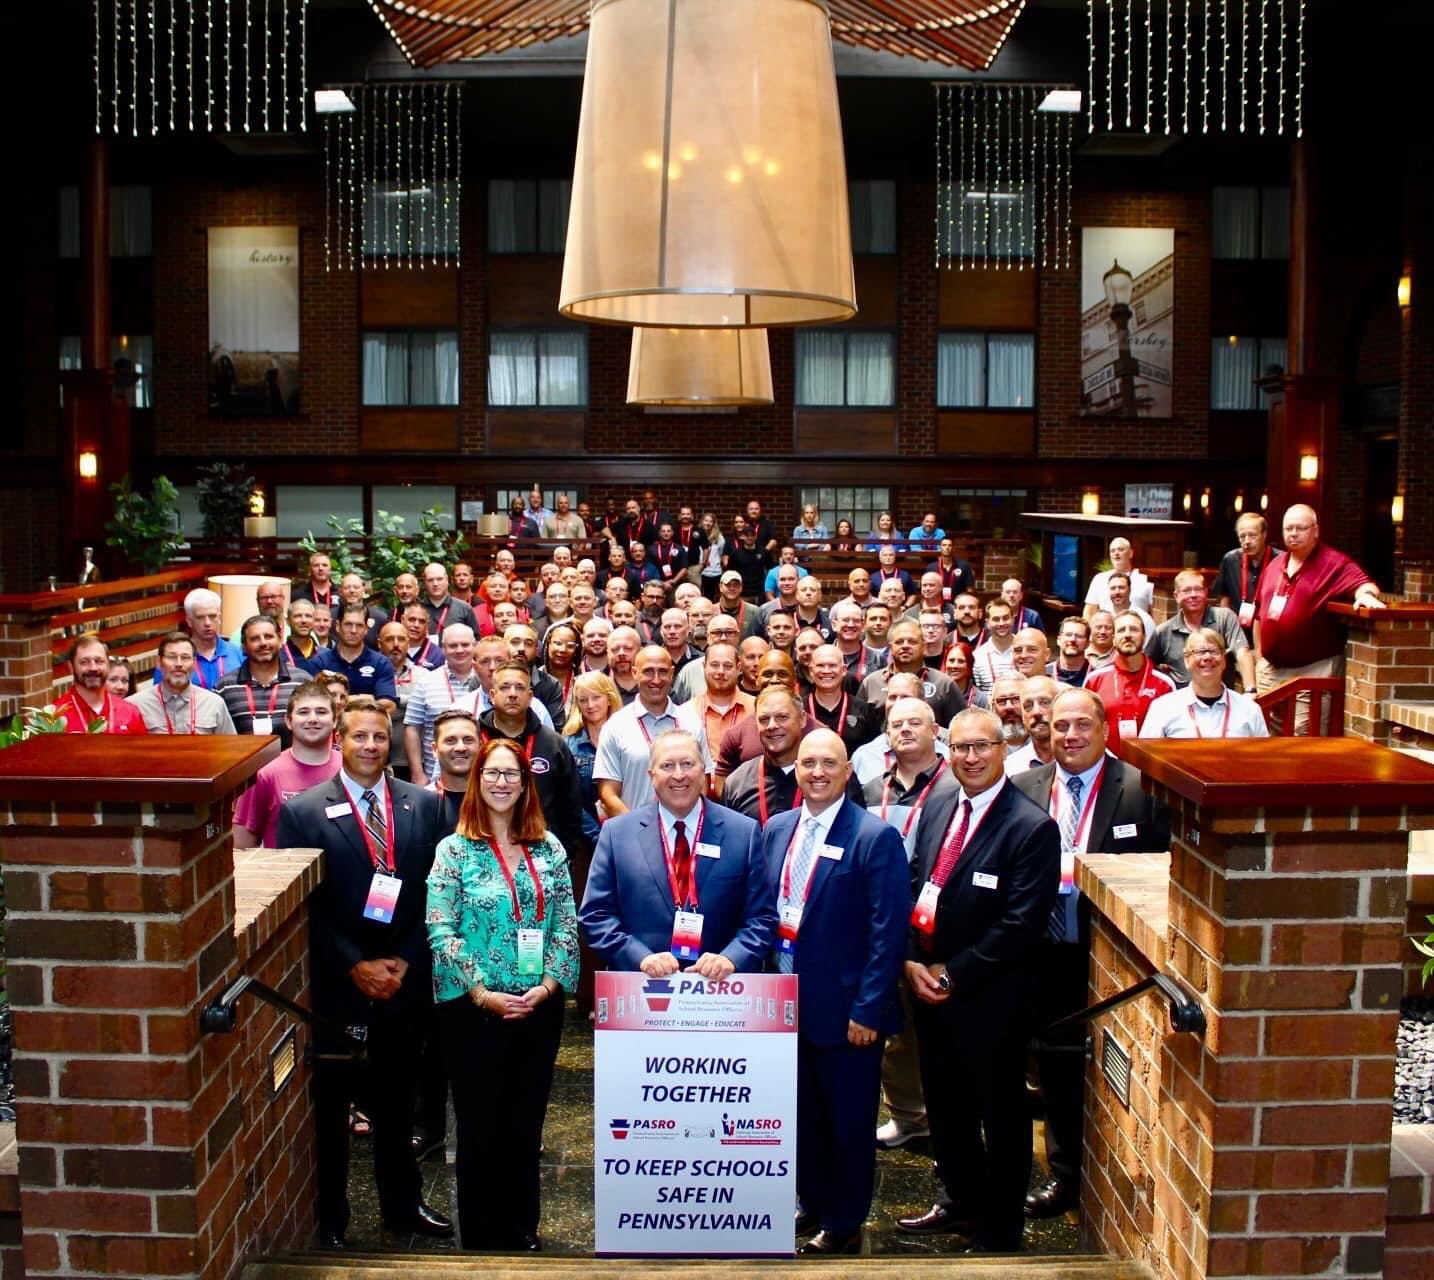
(370, 672)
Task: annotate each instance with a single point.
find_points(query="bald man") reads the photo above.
(1295, 634)
(843, 897)
(1122, 560)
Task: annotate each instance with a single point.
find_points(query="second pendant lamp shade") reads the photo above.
(709, 189)
(699, 367)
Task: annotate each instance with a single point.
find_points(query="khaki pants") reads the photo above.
(901, 1072)
(1269, 677)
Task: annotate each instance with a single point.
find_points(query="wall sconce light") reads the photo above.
(1239, 501)
(1403, 291)
(1309, 466)
(1205, 499)
(89, 464)
(1090, 502)
(1185, 502)
(1264, 500)
(1396, 509)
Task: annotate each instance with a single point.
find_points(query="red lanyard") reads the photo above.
(273, 698)
(291, 656)
(448, 680)
(199, 673)
(1224, 728)
(920, 800)
(664, 716)
(787, 869)
(841, 719)
(527, 746)
(568, 685)
(762, 790)
(660, 548)
(379, 864)
(692, 855)
(321, 599)
(107, 715)
(686, 536)
(193, 705)
(512, 884)
(1145, 674)
(1087, 811)
(1245, 574)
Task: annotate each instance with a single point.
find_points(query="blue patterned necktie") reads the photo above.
(1070, 826)
(801, 869)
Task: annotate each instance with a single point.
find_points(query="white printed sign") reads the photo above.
(695, 1114)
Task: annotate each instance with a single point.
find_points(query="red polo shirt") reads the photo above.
(1304, 631)
(1127, 694)
(119, 715)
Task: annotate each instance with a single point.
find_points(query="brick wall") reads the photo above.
(146, 1149)
(1386, 657)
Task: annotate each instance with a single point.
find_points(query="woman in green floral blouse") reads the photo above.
(503, 930)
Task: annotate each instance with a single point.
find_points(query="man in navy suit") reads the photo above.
(839, 879)
(986, 870)
(678, 883)
(1098, 803)
(371, 964)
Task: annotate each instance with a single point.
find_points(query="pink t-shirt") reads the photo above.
(279, 780)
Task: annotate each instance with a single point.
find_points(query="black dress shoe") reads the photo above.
(424, 1222)
(939, 1217)
(332, 1241)
(1051, 1199)
(427, 1145)
(806, 1223)
(531, 1244)
(829, 1242)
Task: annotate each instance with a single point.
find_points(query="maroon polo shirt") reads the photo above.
(1305, 631)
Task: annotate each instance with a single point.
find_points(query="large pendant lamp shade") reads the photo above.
(699, 367)
(709, 189)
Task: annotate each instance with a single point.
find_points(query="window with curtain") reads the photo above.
(1250, 222)
(131, 222)
(986, 370)
(535, 369)
(996, 223)
(842, 368)
(873, 216)
(420, 220)
(527, 215)
(410, 368)
(861, 505)
(135, 348)
(1236, 362)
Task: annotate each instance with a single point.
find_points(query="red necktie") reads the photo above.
(682, 864)
(951, 854)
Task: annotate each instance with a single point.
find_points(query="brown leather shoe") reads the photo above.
(938, 1218)
(1051, 1199)
(830, 1242)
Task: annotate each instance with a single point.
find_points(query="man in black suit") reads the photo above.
(986, 871)
(1097, 802)
(370, 964)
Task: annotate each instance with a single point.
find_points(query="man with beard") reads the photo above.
(175, 704)
(522, 642)
(595, 635)
(1073, 639)
(258, 694)
(720, 705)
(1037, 694)
(622, 647)
(967, 610)
(1131, 683)
(392, 642)
(1006, 703)
(1118, 588)
(730, 601)
(423, 650)
(88, 699)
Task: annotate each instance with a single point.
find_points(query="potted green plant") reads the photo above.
(145, 528)
(223, 495)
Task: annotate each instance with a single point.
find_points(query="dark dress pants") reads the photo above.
(501, 1074)
(973, 1072)
(1064, 990)
(384, 1089)
(838, 1094)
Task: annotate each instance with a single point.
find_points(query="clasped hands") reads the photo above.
(510, 1007)
(710, 964)
(379, 979)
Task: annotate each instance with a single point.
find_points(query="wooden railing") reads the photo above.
(1325, 696)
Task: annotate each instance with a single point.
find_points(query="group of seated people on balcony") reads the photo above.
(506, 772)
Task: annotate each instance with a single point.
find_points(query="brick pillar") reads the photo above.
(25, 663)
(1286, 916)
(1389, 657)
(120, 882)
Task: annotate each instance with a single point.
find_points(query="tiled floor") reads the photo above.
(904, 1182)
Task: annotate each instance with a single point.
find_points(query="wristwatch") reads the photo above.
(943, 980)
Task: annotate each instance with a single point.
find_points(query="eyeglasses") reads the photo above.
(1298, 528)
(502, 775)
(1203, 653)
(982, 748)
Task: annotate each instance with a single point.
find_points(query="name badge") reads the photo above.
(1128, 728)
(540, 863)
(789, 921)
(338, 810)
(1276, 606)
(1247, 613)
(946, 593)
(832, 851)
(667, 571)
(263, 725)
(707, 850)
(923, 914)
(382, 898)
(1124, 831)
(530, 953)
(983, 880)
(687, 934)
